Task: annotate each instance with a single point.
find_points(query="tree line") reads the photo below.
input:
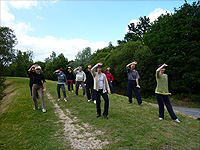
(172, 38)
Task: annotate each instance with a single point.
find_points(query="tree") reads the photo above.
(82, 58)
(174, 39)
(8, 41)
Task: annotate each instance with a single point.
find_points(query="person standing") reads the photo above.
(133, 83)
(70, 79)
(38, 86)
(101, 88)
(61, 83)
(89, 84)
(109, 78)
(162, 93)
(80, 79)
(31, 76)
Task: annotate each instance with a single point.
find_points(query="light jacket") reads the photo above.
(80, 76)
(96, 76)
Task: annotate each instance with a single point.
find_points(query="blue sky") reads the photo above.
(69, 26)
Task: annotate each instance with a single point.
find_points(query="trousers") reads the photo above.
(77, 86)
(98, 102)
(90, 91)
(132, 85)
(38, 88)
(161, 99)
(62, 86)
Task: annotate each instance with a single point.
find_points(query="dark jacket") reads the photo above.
(89, 77)
(70, 76)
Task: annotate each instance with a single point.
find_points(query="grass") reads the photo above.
(128, 126)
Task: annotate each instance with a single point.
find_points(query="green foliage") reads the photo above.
(174, 39)
(53, 63)
(82, 58)
(20, 64)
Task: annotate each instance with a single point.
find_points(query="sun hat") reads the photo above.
(38, 68)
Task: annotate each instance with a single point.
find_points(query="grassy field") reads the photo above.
(128, 126)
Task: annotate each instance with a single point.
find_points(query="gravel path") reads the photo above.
(190, 111)
(80, 135)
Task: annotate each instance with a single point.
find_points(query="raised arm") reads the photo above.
(85, 69)
(164, 65)
(105, 71)
(31, 68)
(127, 66)
(93, 70)
(75, 70)
(56, 72)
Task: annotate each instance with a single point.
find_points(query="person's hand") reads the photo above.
(138, 86)
(65, 85)
(108, 68)
(109, 92)
(170, 93)
(166, 65)
(134, 62)
(100, 64)
(111, 81)
(44, 89)
(89, 66)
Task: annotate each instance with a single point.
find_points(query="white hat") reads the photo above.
(38, 68)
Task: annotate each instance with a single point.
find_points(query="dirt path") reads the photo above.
(79, 135)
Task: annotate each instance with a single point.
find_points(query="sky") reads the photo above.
(68, 26)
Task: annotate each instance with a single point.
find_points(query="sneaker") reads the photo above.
(35, 108)
(58, 99)
(177, 120)
(72, 91)
(160, 118)
(44, 110)
(95, 101)
(65, 99)
(140, 105)
(89, 100)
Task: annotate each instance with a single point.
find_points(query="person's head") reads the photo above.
(38, 69)
(80, 68)
(162, 70)
(99, 68)
(61, 70)
(132, 66)
(69, 68)
(89, 68)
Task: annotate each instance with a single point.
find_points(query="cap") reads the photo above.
(38, 68)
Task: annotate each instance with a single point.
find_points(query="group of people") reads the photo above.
(97, 84)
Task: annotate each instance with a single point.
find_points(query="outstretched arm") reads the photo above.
(158, 70)
(127, 66)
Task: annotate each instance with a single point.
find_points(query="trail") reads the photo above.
(78, 135)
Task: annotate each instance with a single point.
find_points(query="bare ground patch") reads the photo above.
(78, 133)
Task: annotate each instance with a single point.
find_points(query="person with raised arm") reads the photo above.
(109, 78)
(133, 83)
(162, 93)
(38, 86)
(61, 83)
(70, 79)
(31, 76)
(101, 88)
(80, 79)
(89, 84)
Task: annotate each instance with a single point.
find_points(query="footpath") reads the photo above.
(190, 111)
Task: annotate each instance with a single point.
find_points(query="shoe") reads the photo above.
(36, 108)
(160, 118)
(140, 105)
(58, 99)
(72, 90)
(95, 101)
(129, 103)
(98, 116)
(177, 120)
(65, 100)
(105, 117)
(44, 110)
(89, 100)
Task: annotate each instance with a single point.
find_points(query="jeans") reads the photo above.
(132, 85)
(62, 86)
(90, 91)
(111, 86)
(77, 86)
(98, 102)
(164, 98)
(70, 84)
(39, 88)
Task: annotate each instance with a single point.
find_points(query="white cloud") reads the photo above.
(23, 4)
(153, 16)
(38, 17)
(42, 47)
